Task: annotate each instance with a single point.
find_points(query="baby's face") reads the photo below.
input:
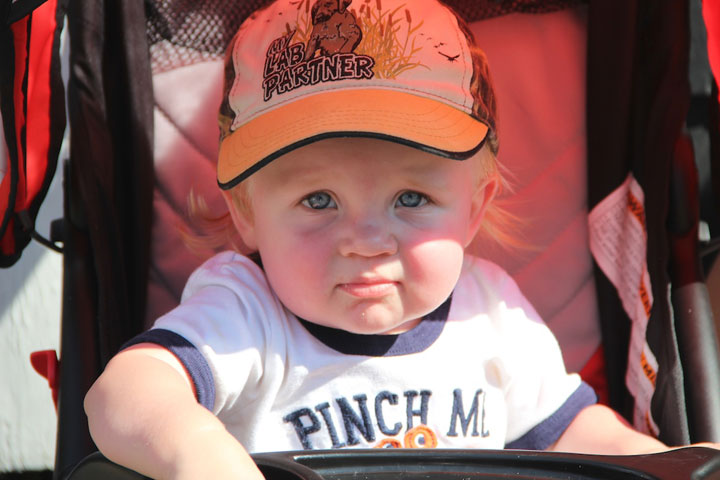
(363, 235)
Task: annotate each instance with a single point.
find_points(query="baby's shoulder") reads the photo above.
(488, 273)
(228, 293)
(228, 260)
(232, 281)
(486, 282)
(486, 286)
(227, 269)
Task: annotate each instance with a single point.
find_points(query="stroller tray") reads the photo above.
(439, 464)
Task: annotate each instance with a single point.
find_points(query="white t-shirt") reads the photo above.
(482, 371)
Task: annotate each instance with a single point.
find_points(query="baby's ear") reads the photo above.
(483, 196)
(242, 221)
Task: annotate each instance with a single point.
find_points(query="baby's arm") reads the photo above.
(143, 414)
(598, 429)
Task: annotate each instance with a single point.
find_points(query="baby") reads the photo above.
(359, 172)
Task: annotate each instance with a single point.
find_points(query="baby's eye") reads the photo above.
(319, 201)
(411, 199)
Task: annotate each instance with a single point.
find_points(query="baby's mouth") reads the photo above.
(369, 288)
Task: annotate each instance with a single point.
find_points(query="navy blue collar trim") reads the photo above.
(413, 341)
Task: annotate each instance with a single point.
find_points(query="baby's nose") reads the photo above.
(368, 237)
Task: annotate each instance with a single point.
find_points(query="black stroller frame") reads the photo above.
(637, 115)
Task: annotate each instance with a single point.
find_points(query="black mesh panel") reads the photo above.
(183, 32)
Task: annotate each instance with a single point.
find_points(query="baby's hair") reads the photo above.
(242, 199)
(498, 224)
(206, 230)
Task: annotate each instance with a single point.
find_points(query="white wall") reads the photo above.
(30, 298)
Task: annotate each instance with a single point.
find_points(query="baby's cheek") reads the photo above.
(295, 275)
(435, 265)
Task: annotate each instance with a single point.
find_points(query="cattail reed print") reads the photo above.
(387, 39)
(304, 21)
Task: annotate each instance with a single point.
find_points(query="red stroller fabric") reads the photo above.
(33, 99)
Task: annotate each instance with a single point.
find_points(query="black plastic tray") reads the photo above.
(439, 464)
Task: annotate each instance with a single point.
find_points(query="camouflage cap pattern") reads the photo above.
(298, 71)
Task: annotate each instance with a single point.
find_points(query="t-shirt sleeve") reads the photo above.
(541, 398)
(220, 331)
(191, 358)
(549, 430)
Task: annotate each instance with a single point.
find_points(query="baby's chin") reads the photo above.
(384, 316)
(402, 328)
(370, 322)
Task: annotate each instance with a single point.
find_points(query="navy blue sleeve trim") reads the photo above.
(191, 358)
(544, 434)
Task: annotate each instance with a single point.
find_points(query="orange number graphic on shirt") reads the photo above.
(418, 437)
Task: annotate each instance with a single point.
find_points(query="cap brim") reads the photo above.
(392, 115)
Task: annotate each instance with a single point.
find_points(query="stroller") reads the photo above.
(639, 161)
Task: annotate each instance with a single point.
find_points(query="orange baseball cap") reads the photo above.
(298, 71)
